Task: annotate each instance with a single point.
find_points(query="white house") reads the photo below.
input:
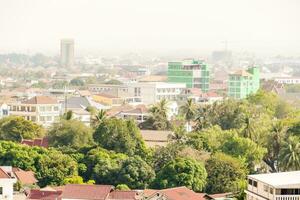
(6, 183)
(274, 186)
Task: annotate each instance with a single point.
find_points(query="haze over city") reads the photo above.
(267, 27)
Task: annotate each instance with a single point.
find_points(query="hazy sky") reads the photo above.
(262, 26)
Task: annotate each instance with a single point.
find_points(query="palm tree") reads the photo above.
(274, 144)
(99, 117)
(189, 111)
(159, 115)
(289, 157)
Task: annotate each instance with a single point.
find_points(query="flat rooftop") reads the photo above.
(279, 180)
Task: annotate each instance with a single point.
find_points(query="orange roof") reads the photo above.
(180, 193)
(25, 177)
(124, 195)
(45, 195)
(3, 174)
(41, 142)
(40, 100)
(95, 192)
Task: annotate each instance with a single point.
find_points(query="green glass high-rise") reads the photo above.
(242, 83)
(194, 73)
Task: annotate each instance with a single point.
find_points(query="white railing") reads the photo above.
(287, 197)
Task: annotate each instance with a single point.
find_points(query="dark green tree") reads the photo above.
(182, 172)
(225, 174)
(70, 133)
(17, 128)
(122, 136)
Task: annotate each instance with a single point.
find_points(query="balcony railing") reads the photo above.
(287, 197)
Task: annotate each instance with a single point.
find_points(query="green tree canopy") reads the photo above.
(77, 82)
(225, 173)
(182, 172)
(70, 133)
(136, 173)
(17, 128)
(119, 135)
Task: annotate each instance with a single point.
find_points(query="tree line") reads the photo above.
(231, 139)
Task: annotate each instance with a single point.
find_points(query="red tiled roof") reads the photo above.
(44, 195)
(40, 100)
(122, 195)
(3, 174)
(180, 193)
(25, 177)
(95, 192)
(41, 142)
(220, 195)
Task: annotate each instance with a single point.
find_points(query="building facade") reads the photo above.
(274, 186)
(67, 52)
(243, 83)
(152, 92)
(6, 183)
(43, 110)
(194, 73)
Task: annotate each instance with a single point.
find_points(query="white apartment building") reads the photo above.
(152, 92)
(43, 110)
(7, 182)
(274, 186)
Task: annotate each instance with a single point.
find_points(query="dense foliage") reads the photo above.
(230, 140)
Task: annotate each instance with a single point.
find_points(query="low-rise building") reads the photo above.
(274, 186)
(43, 110)
(7, 181)
(152, 92)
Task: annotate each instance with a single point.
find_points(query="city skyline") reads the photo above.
(263, 27)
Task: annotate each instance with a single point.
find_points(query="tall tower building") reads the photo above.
(67, 52)
(194, 73)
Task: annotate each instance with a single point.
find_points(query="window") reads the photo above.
(271, 191)
(266, 188)
(55, 108)
(49, 108)
(250, 181)
(1, 190)
(42, 118)
(255, 183)
(42, 108)
(49, 118)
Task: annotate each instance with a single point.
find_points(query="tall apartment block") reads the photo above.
(243, 82)
(194, 73)
(67, 52)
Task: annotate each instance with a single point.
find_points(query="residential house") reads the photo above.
(82, 192)
(40, 142)
(43, 110)
(138, 113)
(177, 193)
(7, 181)
(274, 186)
(154, 138)
(26, 178)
